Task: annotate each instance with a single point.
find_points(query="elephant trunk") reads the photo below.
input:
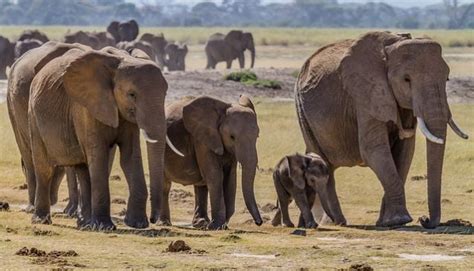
(249, 161)
(252, 55)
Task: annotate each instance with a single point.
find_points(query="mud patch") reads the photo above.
(40, 232)
(178, 246)
(180, 195)
(359, 267)
(430, 257)
(116, 178)
(456, 223)
(22, 187)
(54, 257)
(231, 238)
(419, 178)
(119, 201)
(269, 207)
(4, 206)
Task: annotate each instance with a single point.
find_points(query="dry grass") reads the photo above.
(326, 248)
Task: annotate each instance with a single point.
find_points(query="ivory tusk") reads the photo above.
(427, 132)
(172, 147)
(457, 130)
(147, 138)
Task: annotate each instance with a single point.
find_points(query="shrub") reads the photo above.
(249, 78)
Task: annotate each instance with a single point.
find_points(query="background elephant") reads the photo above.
(213, 136)
(112, 28)
(175, 56)
(144, 46)
(84, 38)
(358, 103)
(228, 47)
(128, 30)
(158, 42)
(101, 118)
(300, 177)
(7, 55)
(33, 34)
(105, 39)
(24, 46)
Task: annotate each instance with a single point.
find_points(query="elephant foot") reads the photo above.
(310, 225)
(154, 217)
(217, 226)
(138, 222)
(288, 224)
(102, 224)
(164, 222)
(71, 209)
(200, 222)
(30, 209)
(41, 219)
(395, 216)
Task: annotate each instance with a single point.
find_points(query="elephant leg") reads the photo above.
(230, 188)
(71, 208)
(334, 206)
(85, 197)
(98, 170)
(284, 200)
(402, 152)
(242, 60)
(311, 195)
(276, 221)
(131, 164)
(377, 154)
(55, 183)
(29, 171)
(200, 219)
(165, 213)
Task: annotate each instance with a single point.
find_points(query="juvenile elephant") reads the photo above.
(213, 136)
(82, 103)
(176, 56)
(226, 48)
(24, 46)
(7, 55)
(300, 177)
(123, 31)
(358, 104)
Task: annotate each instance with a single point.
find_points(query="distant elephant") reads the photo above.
(175, 57)
(158, 42)
(300, 177)
(105, 39)
(100, 99)
(226, 48)
(84, 38)
(112, 28)
(213, 136)
(359, 102)
(138, 44)
(33, 34)
(7, 55)
(24, 46)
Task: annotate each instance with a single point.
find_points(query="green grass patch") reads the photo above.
(249, 78)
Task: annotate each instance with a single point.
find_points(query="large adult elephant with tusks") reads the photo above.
(359, 102)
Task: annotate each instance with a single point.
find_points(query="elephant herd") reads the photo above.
(124, 35)
(358, 104)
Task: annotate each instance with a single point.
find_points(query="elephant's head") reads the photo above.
(158, 42)
(82, 38)
(241, 41)
(24, 46)
(387, 73)
(33, 34)
(7, 55)
(128, 31)
(176, 57)
(223, 127)
(113, 29)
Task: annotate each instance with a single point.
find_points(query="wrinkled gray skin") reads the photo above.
(226, 48)
(100, 117)
(7, 55)
(358, 102)
(144, 46)
(158, 42)
(21, 47)
(175, 57)
(300, 177)
(33, 34)
(213, 136)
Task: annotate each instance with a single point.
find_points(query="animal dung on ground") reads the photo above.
(178, 246)
(419, 178)
(360, 267)
(115, 178)
(4, 206)
(269, 207)
(119, 201)
(299, 232)
(457, 223)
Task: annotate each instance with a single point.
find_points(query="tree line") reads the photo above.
(299, 13)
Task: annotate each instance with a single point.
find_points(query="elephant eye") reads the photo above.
(232, 137)
(132, 95)
(407, 79)
(447, 79)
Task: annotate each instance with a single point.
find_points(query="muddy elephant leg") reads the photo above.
(230, 188)
(402, 152)
(29, 171)
(131, 164)
(165, 213)
(85, 211)
(71, 208)
(377, 154)
(200, 219)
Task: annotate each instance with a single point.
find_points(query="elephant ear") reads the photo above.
(201, 118)
(364, 75)
(171, 48)
(88, 80)
(295, 170)
(244, 100)
(135, 28)
(54, 50)
(235, 38)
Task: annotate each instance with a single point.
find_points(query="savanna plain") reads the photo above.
(244, 245)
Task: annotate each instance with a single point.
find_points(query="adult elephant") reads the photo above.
(100, 100)
(176, 56)
(226, 48)
(84, 38)
(214, 136)
(105, 39)
(358, 103)
(144, 46)
(21, 47)
(112, 28)
(7, 55)
(33, 34)
(158, 42)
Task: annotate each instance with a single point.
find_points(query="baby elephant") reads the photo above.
(300, 177)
